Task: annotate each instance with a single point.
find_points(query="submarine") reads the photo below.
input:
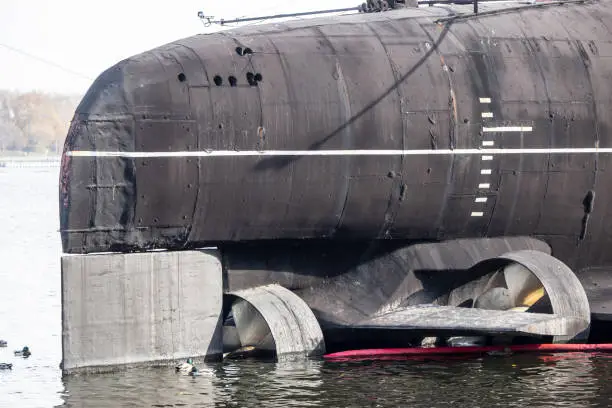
(422, 170)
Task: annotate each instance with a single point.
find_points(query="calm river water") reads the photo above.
(30, 315)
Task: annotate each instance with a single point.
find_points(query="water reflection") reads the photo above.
(516, 381)
(244, 383)
(139, 387)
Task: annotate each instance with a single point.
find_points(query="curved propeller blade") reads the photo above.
(523, 286)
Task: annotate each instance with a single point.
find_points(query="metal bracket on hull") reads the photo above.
(434, 319)
(566, 294)
(273, 318)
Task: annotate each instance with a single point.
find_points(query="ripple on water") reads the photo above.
(516, 381)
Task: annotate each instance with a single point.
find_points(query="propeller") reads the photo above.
(513, 288)
(520, 290)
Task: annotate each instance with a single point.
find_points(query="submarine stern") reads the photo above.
(137, 106)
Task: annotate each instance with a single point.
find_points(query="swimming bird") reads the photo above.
(185, 367)
(6, 366)
(3, 343)
(24, 352)
(194, 371)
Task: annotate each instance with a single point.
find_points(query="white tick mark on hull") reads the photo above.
(487, 114)
(485, 100)
(480, 200)
(507, 129)
(484, 185)
(477, 214)
(485, 171)
(488, 143)
(487, 158)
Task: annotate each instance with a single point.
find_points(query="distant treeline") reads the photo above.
(34, 122)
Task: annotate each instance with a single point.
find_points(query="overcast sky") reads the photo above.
(85, 37)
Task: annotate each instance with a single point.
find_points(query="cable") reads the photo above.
(210, 20)
(56, 65)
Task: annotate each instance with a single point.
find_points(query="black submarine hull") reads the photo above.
(404, 126)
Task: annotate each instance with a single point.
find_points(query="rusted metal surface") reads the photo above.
(212, 115)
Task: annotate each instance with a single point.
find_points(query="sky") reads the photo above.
(63, 45)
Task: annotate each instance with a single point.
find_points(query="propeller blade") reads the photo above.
(495, 299)
(523, 286)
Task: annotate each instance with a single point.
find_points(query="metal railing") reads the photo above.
(362, 8)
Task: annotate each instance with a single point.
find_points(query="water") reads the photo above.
(30, 309)
(30, 314)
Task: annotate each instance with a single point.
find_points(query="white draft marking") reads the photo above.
(507, 129)
(398, 152)
(485, 143)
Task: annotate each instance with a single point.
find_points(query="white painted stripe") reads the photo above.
(487, 114)
(477, 214)
(487, 158)
(488, 142)
(480, 200)
(485, 100)
(485, 171)
(484, 185)
(398, 152)
(507, 129)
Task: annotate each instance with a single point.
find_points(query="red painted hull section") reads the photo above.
(455, 351)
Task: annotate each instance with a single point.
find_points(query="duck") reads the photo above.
(24, 352)
(185, 367)
(6, 366)
(194, 371)
(3, 343)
